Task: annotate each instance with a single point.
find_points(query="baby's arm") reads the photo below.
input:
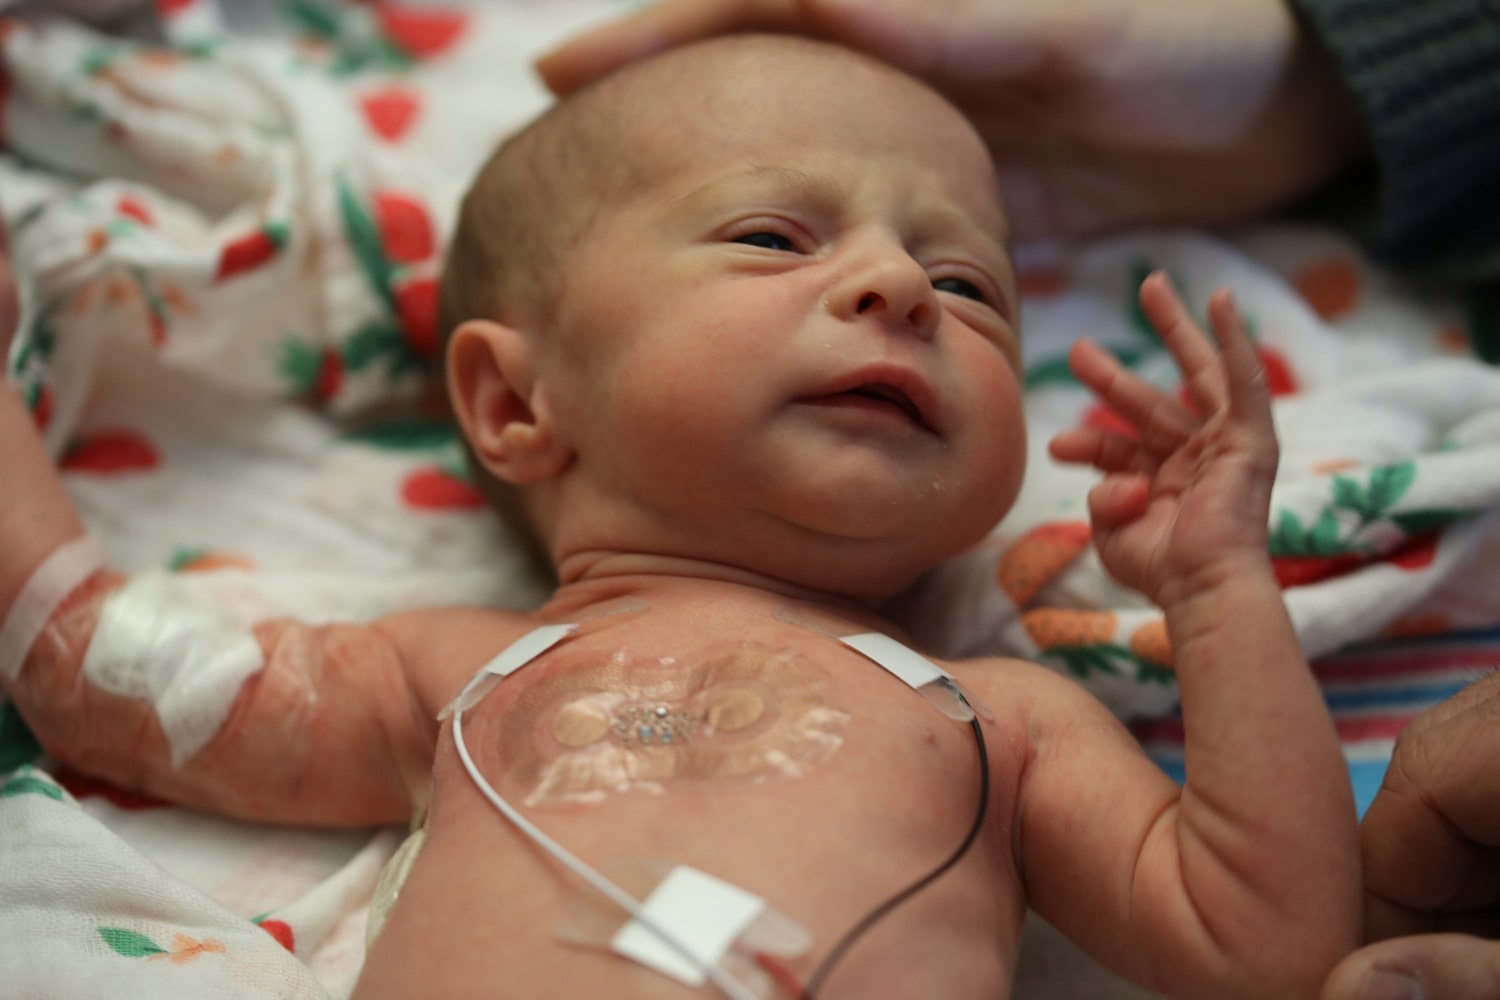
(1245, 884)
(335, 727)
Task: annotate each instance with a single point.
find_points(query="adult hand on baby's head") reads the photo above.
(1184, 502)
(1431, 852)
(1100, 114)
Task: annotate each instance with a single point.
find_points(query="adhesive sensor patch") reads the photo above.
(595, 729)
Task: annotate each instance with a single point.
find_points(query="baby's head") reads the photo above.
(747, 304)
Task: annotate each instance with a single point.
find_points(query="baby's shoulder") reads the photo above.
(441, 648)
(1021, 687)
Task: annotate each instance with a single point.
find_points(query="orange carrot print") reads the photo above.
(1038, 556)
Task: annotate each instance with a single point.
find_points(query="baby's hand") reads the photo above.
(1183, 507)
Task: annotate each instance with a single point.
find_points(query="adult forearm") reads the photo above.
(1426, 80)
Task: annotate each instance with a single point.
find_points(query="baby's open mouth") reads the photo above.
(878, 397)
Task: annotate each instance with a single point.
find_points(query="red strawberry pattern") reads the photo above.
(250, 251)
(417, 309)
(436, 489)
(134, 208)
(281, 931)
(1299, 571)
(1417, 552)
(390, 111)
(405, 228)
(111, 453)
(421, 32)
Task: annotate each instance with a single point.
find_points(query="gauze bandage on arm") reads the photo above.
(58, 576)
(157, 640)
(150, 683)
(149, 638)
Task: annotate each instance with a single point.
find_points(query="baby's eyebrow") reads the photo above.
(803, 183)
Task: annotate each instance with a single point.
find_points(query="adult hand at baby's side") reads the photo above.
(1184, 502)
(1100, 114)
(1430, 846)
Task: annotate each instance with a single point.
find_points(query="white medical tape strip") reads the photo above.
(527, 648)
(69, 565)
(704, 914)
(508, 661)
(910, 667)
(157, 640)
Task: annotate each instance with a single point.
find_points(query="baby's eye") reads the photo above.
(766, 241)
(960, 287)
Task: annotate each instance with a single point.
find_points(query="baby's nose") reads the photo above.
(889, 286)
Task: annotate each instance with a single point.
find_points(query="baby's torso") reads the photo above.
(731, 741)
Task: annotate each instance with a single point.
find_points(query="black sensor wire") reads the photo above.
(809, 992)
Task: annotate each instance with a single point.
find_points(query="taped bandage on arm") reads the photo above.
(145, 682)
(57, 577)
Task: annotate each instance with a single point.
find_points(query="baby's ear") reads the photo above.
(492, 383)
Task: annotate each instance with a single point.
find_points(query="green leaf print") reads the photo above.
(1417, 522)
(1323, 540)
(369, 343)
(26, 782)
(1289, 538)
(17, 745)
(1084, 661)
(1388, 483)
(1350, 495)
(364, 237)
(1112, 659)
(129, 943)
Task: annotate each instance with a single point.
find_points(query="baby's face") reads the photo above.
(798, 342)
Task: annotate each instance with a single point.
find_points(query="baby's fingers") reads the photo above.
(1105, 452)
(1163, 422)
(1196, 357)
(1249, 396)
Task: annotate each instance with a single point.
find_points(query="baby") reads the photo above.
(734, 331)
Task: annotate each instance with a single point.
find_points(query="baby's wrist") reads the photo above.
(1228, 572)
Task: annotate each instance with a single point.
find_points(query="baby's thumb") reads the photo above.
(1425, 967)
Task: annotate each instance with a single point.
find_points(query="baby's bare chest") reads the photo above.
(780, 762)
(630, 713)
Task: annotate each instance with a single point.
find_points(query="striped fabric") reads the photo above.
(1373, 690)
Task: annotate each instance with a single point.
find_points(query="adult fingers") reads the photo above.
(1428, 967)
(955, 44)
(1431, 838)
(661, 26)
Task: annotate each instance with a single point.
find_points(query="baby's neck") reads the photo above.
(666, 580)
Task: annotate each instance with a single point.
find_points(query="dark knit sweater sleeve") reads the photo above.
(1426, 75)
